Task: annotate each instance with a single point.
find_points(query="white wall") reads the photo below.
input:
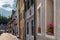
(29, 18)
(43, 35)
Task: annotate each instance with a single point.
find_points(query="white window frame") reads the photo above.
(46, 35)
(39, 6)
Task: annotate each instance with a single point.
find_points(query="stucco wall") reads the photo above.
(43, 35)
(29, 18)
(57, 11)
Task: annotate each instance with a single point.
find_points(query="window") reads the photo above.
(39, 27)
(32, 27)
(50, 17)
(32, 1)
(15, 24)
(28, 4)
(27, 27)
(15, 16)
(25, 6)
(30, 12)
(14, 19)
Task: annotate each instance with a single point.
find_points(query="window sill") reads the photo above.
(39, 34)
(27, 34)
(32, 36)
(30, 16)
(50, 36)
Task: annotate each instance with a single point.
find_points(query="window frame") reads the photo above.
(39, 7)
(46, 35)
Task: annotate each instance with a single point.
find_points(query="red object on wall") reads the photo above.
(39, 29)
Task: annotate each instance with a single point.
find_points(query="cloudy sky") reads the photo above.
(6, 7)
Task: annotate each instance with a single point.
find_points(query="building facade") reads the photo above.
(14, 23)
(47, 23)
(47, 13)
(47, 19)
(29, 19)
(10, 27)
(20, 5)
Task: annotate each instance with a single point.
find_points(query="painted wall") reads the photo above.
(29, 18)
(43, 35)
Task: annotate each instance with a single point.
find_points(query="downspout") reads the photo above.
(34, 19)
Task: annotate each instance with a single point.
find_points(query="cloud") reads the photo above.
(6, 3)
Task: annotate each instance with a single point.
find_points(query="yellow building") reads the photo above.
(20, 5)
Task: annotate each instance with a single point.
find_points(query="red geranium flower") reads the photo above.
(50, 25)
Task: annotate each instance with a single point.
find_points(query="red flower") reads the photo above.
(50, 25)
(51, 28)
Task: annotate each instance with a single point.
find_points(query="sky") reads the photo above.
(6, 7)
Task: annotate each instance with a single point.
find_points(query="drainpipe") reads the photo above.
(34, 19)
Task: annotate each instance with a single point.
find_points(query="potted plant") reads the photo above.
(50, 29)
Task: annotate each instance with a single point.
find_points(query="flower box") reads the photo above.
(50, 29)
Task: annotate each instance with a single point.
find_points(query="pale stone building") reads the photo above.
(14, 23)
(29, 19)
(47, 13)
